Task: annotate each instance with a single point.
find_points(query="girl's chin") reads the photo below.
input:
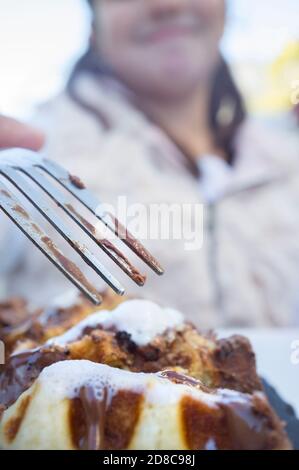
(180, 72)
(178, 63)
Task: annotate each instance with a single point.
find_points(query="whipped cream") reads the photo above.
(65, 379)
(142, 319)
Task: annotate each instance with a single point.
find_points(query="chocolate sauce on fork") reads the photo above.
(123, 233)
(77, 182)
(121, 258)
(71, 267)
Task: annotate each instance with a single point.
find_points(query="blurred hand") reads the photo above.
(16, 134)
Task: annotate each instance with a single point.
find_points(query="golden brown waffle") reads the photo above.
(217, 397)
(25, 328)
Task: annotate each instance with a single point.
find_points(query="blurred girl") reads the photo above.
(152, 112)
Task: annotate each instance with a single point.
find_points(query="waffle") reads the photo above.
(135, 377)
(22, 327)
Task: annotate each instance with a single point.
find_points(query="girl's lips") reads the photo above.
(167, 33)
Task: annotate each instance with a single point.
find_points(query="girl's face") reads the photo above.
(160, 47)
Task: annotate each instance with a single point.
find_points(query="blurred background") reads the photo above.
(261, 44)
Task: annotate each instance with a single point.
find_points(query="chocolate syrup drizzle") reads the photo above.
(95, 418)
(179, 378)
(22, 370)
(250, 423)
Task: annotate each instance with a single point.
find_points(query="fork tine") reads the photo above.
(18, 214)
(75, 187)
(111, 250)
(39, 202)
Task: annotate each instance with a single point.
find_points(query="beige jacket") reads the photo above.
(247, 270)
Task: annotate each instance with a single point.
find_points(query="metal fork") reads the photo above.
(16, 163)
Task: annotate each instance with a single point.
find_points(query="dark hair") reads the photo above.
(226, 111)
